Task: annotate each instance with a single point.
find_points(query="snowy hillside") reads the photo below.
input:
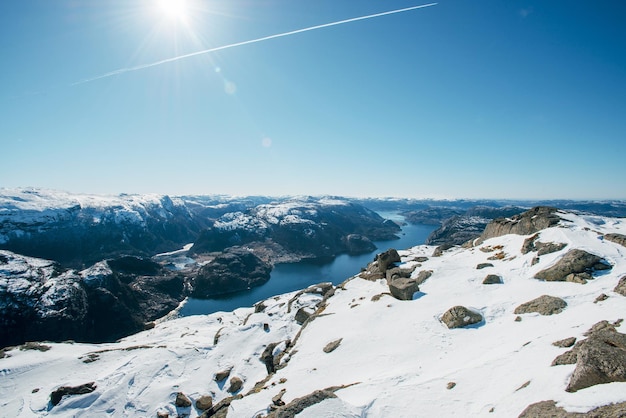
(357, 351)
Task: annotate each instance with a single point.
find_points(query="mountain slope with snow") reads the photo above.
(377, 356)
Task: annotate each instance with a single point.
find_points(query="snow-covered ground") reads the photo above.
(396, 358)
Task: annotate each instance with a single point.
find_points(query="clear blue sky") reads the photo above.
(464, 99)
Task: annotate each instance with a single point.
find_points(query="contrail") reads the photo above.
(252, 41)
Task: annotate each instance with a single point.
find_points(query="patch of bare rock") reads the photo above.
(527, 223)
(576, 266)
(545, 409)
(544, 305)
(460, 316)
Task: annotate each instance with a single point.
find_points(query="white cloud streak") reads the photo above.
(252, 41)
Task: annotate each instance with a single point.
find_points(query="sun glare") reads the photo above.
(174, 9)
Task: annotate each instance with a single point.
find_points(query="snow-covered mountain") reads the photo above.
(478, 338)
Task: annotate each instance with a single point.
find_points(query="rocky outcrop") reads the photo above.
(58, 394)
(457, 230)
(621, 286)
(234, 270)
(298, 405)
(544, 305)
(616, 238)
(182, 401)
(377, 269)
(545, 409)
(332, 346)
(403, 288)
(529, 222)
(601, 358)
(542, 248)
(492, 279)
(575, 266)
(460, 316)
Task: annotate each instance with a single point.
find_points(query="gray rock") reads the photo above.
(223, 374)
(565, 343)
(300, 404)
(601, 358)
(616, 238)
(332, 346)
(423, 275)
(483, 265)
(386, 259)
(440, 249)
(544, 305)
(204, 402)
(235, 384)
(58, 394)
(621, 286)
(574, 262)
(492, 279)
(542, 248)
(460, 316)
(545, 409)
(398, 272)
(182, 401)
(302, 315)
(403, 289)
(529, 222)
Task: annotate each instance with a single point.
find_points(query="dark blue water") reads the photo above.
(295, 276)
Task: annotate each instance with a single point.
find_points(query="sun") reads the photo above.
(174, 9)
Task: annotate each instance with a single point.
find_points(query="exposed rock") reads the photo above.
(440, 249)
(600, 298)
(565, 343)
(182, 401)
(163, 414)
(616, 238)
(58, 394)
(544, 305)
(457, 230)
(422, 276)
(302, 315)
(267, 357)
(220, 409)
(545, 409)
(492, 279)
(398, 272)
(542, 248)
(460, 316)
(529, 222)
(450, 385)
(277, 399)
(601, 358)
(421, 259)
(483, 265)
(387, 259)
(621, 286)
(223, 374)
(300, 404)
(204, 402)
(235, 384)
(403, 289)
(575, 262)
(234, 270)
(332, 346)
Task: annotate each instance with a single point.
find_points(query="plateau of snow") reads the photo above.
(396, 358)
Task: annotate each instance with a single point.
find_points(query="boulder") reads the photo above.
(460, 316)
(222, 374)
(483, 265)
(542, 248)
(616, 238)
(235, 384)
(565, 343)
(544, 305)
(386, 259)
(601, 358)
(398, 272)
(182, 401)
(545, 409)
(332, 346)
(300, 404)
(58, 394)
(440, 249)
(572, 266)
(492, 279)
(527, 223)
(423, 275)
(621, 286)
(302, 315)
(403, 288)
(204, 402)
